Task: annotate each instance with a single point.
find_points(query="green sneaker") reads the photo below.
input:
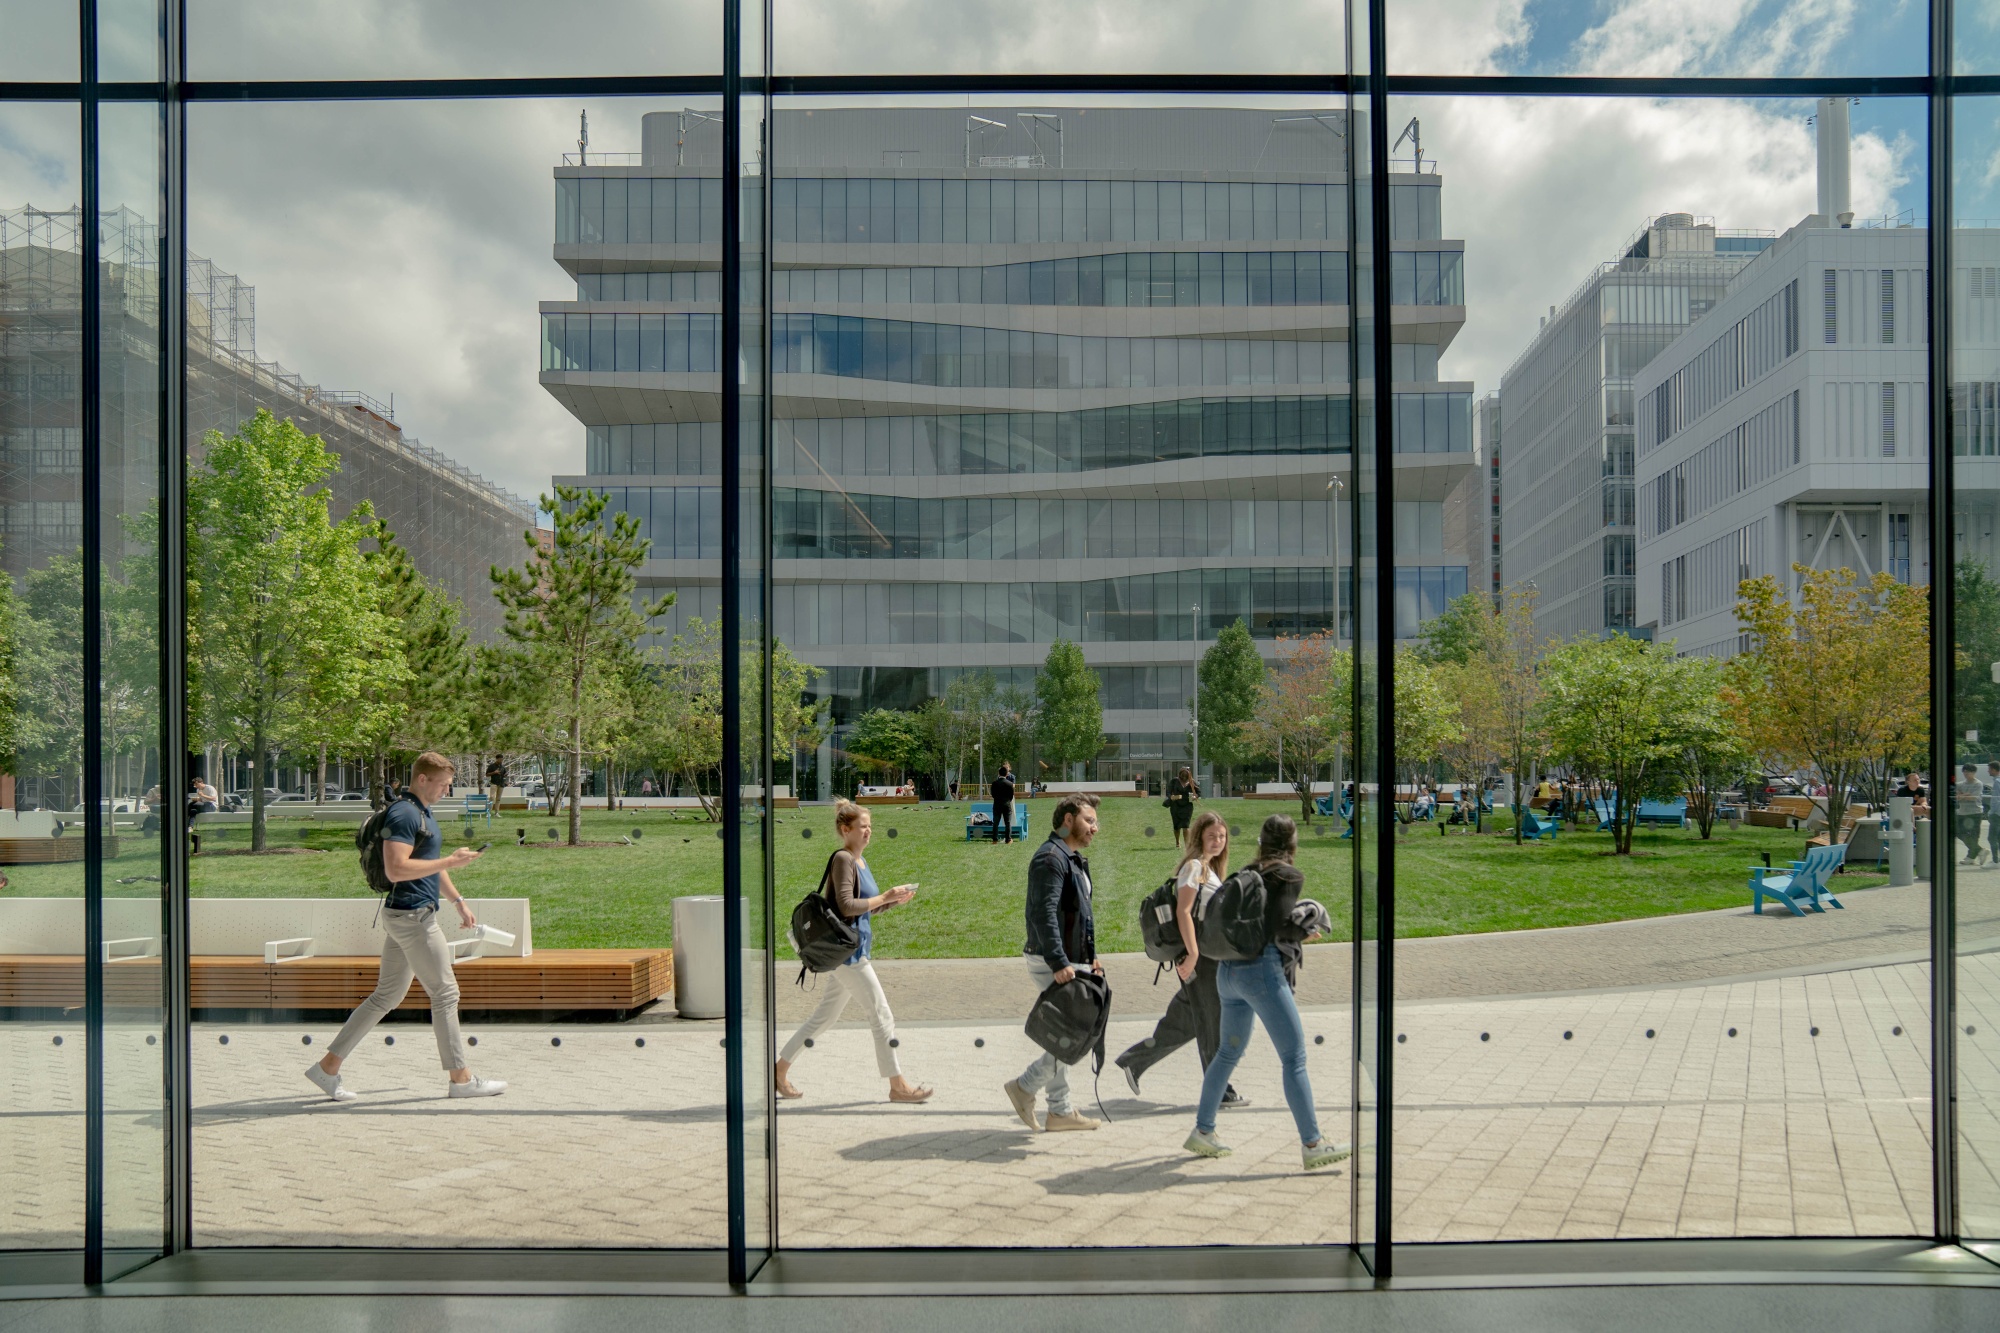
(1206, 1145)
(1317, 1155)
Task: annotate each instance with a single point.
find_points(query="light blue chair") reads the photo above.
(1607, 814)
(480, 806)
(986, 829)
(1674, 812)
(1804, 882)
(1534, 825)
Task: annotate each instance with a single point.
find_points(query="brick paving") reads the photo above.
(1525, 1134)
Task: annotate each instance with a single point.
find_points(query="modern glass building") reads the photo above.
(1567, 501)
(917, 339)
(1039, 373)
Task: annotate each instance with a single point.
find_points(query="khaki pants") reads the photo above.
(851, 981)
(413, 946)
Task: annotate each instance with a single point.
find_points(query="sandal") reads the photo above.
(785, 1095)
(913, 1096)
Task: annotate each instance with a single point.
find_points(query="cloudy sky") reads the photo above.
(401, 248)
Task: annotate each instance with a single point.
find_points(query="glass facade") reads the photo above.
(901, 448)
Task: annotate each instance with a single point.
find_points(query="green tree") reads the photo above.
(1834, 680)
(573, 618)
(1510, 663)
(1613, 708)
(800, 719)
(1069, 715)
(1427, 713)
(1457, 636)
(1710, 756)
(887, 741)
(1229, 681)
(283, 624)
(1976, 624)
(48, 659)
(12, 659)
(682, 730)
(1304, 709)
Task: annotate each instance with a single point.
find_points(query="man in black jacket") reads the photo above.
(1002, 792)
(1062, 937)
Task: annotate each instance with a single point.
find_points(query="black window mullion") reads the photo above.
(90, 419)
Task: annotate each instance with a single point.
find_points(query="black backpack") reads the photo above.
(820, 935)
(1158, 930)
(368, 841)
(1069, 1018)
(1231, 927)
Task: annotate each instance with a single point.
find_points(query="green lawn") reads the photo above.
(970, 901)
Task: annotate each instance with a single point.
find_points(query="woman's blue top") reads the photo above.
(864, 887)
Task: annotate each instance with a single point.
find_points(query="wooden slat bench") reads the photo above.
(595, 979)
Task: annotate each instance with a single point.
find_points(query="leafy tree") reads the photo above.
(1069, 716)
(1613, 707)
(1510, 663)
(12, 659)
(1710, 756)
(799, 719)
(887, 740)
(1835, 680)
(1304, 708)
(1457, 636)
(283, 624)
(1427, 713)
(1976, 623)
(1228, 684)
(683, 728)
(572, 616)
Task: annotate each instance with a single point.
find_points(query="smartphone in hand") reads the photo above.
(482, 846)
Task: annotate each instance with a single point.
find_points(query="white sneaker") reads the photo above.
(1323, 1153)
(328, 1084)
(1206, 1145)
(478, 1087)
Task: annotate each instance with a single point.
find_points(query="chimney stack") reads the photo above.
(1834, 203)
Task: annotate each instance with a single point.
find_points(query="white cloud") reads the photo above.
(1735, 37)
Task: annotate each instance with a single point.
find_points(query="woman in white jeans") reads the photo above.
(856, 897)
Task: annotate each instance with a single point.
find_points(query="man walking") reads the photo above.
(1992, 785)
(496, 778)
(414, 943)
(1002, 792)
(1062, 937)
(1968, 804)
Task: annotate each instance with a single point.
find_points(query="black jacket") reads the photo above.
(1061, 929)
(1003, 790)
(1283, 884)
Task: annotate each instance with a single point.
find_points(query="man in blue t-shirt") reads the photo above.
(415, 946)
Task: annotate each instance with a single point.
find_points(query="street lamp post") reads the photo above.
(1194, 730)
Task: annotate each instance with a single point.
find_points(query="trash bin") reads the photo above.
(700, 980)
(1902, 841)
(1923, 849)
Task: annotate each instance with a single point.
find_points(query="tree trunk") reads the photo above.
(576, 774)
(257, 787)
(319, 796)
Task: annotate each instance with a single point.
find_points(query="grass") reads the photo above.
(969, 904)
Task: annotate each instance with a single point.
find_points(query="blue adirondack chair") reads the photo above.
(1607, 814)
(1673, 812)
(1534, 824)
(478, 806)
(1804, 882)
(1324, 805)
(984, 828)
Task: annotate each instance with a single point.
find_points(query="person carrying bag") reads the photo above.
(833, 935)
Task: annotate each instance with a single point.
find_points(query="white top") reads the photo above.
(1197, 875)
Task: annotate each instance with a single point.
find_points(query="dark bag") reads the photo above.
(1069, 1018)
(1158, 930)
(820, 935)
(1230, 927)
(368, 841)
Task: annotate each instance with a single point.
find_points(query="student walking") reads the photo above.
(414, 945)
(1968, 806)
(496, 780)
(1259, 990)
(1062, 937)
(856, 897)
(1002, 792)
(1181, 793)
(1195, 1012)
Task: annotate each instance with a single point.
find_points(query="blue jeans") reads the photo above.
(1257, 989)
(1047, 1072)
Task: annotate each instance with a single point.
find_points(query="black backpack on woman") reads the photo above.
(1231, 927)
(820, 935)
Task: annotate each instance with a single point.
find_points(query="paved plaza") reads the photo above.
(1529, 1107)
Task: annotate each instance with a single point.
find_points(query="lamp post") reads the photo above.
(1194, 727)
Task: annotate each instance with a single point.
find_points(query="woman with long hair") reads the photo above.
(856, 897)
(1257, 990)
(1195, 1012)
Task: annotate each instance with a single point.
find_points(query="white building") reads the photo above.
(1789, 425)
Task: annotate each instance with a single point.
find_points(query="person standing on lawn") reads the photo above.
(414, 945)
(1260, 991)
(496, 779)
(1002, 792)
(1195, 1012)
(1062, 937)
(1181, 794)
(855, 897)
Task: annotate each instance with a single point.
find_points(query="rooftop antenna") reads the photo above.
(1047, 119)
(1414, 132)
(583, 138)
(982, 124)
(680, 144)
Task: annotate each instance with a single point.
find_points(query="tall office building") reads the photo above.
(455, 523)
(1566, 505)
(1790, 426)
(1038, 373)
(1487, 420)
